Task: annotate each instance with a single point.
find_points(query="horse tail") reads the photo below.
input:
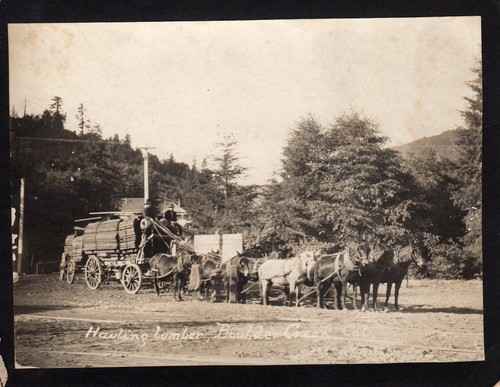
(195, 278)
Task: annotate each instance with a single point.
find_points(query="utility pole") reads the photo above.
(145, 153)
(21, 229)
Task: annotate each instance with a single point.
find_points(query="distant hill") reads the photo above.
(443, 144)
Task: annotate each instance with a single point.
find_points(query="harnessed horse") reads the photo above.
(379, 260)
(177, 267)
(243, 274)
(209, 268)
(285, 272)
(339, 270)
(398, 269)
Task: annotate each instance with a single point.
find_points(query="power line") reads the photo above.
(65, 140)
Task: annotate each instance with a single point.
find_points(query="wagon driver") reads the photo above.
(148, 209)
(170, 218)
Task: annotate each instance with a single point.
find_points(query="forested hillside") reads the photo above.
(444, 144)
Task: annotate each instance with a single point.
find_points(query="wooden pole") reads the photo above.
(146, 176)
(144, 151)
(21, 228)
(221, 246)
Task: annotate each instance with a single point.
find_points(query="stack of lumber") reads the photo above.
(68, 244)
(127, 234)
(101, 235)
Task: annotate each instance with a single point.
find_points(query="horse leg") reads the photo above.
(355, 297)
(297, 295)
(365, 293)
(344, 292)
(291, 292)
(286, 290)
(387, 295)
(263, 292)
(338, 295)
(268, 290)
(397, 285)
(240, 297)
(319, 295)
(157, 288)
(375, 294)
(178, 286)
(174, 286)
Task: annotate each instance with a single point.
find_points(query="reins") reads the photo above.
(397, 255)
(315, 289)
(348, 262)
(162, 276)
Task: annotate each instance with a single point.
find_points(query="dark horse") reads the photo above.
(210, 271)
(398, 269)
(243, 275)
(340, 269)
(176, 267)
(381, 258)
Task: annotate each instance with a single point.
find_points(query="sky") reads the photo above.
(181, 86)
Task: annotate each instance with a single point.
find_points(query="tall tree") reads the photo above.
(227, 168)
(340, 184)
(226, 171)
(83, 122)
(469, 167)
(56, 105)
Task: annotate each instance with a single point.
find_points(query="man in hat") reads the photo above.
(148, 209)
(170, 214)
(170, 218)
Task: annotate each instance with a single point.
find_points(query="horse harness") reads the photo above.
(180, 268)
(349, 264)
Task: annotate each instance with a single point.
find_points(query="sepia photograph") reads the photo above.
(246, 192)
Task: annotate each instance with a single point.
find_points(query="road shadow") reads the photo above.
(430, 309)
(28, 309)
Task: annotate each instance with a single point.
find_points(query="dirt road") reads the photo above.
(62, 325)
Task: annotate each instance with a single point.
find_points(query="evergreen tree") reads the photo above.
(340, 184)
(56, 106)
(227, 169)
(83, 123)
(469, 167)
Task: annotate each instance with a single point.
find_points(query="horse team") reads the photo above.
(360, 265)
(364, 267)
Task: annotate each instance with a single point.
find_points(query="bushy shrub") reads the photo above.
(449, 260)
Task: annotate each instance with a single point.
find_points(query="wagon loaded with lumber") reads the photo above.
(117, 246)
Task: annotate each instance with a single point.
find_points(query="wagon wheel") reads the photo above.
(70, 271)
(132, 278)
(62, 267)
(93, 273)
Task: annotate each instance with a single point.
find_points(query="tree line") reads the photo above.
(339, 183)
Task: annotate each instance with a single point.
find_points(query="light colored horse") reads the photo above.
(285, 272)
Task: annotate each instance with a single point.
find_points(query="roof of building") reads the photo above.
(177, 208)
(137, 205)
(132, 204)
